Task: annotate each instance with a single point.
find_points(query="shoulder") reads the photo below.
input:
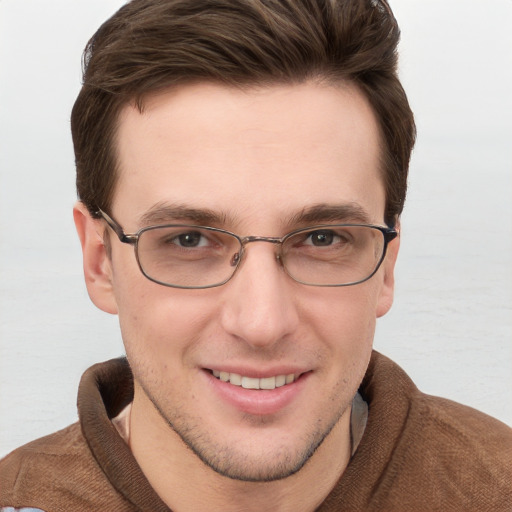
(461, 430)
(463, 439)
(451, 454)
(49, 473)
(436, 419)
(24, 473)
(46, 452)
(461, 423)
(421, 452)
(465, 455)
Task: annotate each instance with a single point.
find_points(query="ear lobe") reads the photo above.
(96, 261)
(387, 292)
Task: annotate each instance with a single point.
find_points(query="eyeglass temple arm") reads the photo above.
(118, 230)
(390, 234)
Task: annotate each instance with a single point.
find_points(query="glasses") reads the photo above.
(189, 256)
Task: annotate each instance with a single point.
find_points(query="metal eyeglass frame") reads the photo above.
(388, 233)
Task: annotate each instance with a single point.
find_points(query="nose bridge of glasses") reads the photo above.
(270, 239)
(236, 259)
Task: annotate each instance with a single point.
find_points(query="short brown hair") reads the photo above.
(150, 45)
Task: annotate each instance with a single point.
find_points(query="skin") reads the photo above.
(256, 159)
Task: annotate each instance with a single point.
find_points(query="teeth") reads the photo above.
(236, 379)
(280, 381)
(268, 383)
(253, 383)
(248, 383)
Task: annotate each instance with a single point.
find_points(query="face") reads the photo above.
(252, 162)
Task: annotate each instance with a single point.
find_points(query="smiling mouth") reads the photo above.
(267, 383)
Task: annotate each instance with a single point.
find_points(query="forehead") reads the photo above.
(261, 152)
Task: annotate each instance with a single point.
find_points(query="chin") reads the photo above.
(267, 455)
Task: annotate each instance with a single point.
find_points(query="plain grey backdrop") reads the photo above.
(451, 325)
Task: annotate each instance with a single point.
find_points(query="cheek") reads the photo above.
(344, 317)
(158, 322)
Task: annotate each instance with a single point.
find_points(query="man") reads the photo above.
(255, 156)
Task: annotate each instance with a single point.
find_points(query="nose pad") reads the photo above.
(235, 259)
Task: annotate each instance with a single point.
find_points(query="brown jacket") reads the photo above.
(418, 453)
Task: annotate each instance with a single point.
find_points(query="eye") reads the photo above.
(190, 240)
(322, 238)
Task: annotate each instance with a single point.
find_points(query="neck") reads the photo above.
(185, 483)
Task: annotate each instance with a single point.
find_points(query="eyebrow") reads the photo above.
(162, 213)
(319, 213)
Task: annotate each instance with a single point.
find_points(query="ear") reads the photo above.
(387, 292)
(96, 260)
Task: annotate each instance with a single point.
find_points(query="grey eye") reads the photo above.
(321, 238)
(191, 239)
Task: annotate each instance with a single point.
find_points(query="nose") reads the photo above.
(259, 304)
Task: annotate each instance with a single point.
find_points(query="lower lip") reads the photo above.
(257, 402)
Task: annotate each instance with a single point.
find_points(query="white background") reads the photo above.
(451, 325)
